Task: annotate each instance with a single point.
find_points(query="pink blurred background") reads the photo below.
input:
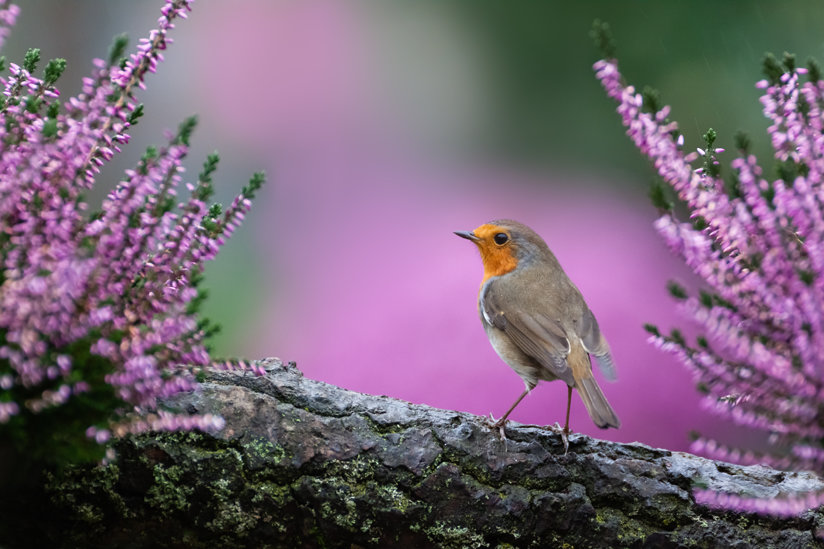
(379, 127)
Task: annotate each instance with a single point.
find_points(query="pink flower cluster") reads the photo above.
(8, 16)
(116, 287)
(779, 506)
(758, 244)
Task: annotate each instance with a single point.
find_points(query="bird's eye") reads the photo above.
(500, 239)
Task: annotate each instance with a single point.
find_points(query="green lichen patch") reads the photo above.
(267, 459)
(270, 493)
(168, 494)
(454, 537)
(230, 519)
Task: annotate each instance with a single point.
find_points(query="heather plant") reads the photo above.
(98, 308)
(757, 243)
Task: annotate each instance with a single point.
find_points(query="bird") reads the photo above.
(537, 320)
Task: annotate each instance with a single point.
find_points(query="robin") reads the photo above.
(537, 320)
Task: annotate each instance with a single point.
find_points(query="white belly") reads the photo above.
(524, 365)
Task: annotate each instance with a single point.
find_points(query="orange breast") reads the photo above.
(497, 261)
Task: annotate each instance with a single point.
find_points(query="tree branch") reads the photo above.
(302, 463)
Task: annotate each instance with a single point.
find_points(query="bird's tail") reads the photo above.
(599, 409)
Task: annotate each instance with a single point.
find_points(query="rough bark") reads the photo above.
(306, 464)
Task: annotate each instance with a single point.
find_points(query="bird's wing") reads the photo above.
(595, 343)
(535, 334)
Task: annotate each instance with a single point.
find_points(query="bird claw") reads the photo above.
(499, 424)
(563, 432)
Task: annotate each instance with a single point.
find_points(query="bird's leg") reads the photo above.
(501, 423)
(565, 432)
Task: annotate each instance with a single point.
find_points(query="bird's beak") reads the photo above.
(469, 235)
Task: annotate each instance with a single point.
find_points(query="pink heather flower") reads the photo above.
(760, 251)
(101, 305)
(785, 505)
(100, 436)
(7, 410)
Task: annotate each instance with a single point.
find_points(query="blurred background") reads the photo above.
(384, 126)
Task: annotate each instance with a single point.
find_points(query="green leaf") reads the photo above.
(814, 74)
(166, 203)
(118, 48)
(31, 59)
(772, 69)
(54, 70)
(184, 131)
(651, 99)
(209, 167)
(676, 290)
(678, 337)
(788, 170)
(53, 110)
(255, 183)
(215, 210)
(710, 137)
(742, 142)
(806, 276)
(803, 107)
(658, 195)
(135, 114)
(50, 128)
(33, 104)
(604, 41)
(205, 189)
(789, 62)
(653, 329)
(148, 158)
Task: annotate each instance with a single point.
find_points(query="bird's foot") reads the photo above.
(563, 432)
(499, 424)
